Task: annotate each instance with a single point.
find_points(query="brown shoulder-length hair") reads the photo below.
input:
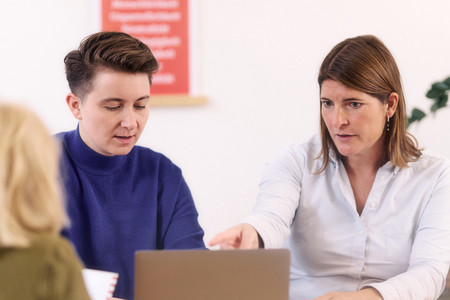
(365, 64)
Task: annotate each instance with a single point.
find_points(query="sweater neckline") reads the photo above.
(89, 160)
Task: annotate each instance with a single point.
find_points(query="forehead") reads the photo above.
(105, 76)
(332, 87)
(121, 85)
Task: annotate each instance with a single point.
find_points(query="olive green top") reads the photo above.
(48, 269)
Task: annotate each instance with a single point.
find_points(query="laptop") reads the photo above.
(261, 274)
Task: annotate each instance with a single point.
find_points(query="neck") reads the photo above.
(368, 162)
(359, 165)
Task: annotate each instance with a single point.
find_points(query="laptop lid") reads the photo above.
(261, 274)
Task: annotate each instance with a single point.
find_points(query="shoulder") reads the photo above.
(431, 170)
(64, 135)
(431, 161)
(58, 257)
(44, 250)
(306, 149)
(66, 139)
(61, 268)
(50, 254)
(60, 135)
(54, 247)
(147, 157)
(47, 269)
(310, 149)
(147, 154)
(301, 155)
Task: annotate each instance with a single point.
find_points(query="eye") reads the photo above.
(355, 104)
(327, 103)
(139, 107)
(112, 107)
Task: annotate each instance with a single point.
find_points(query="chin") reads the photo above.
(122, 151)
(345, 152)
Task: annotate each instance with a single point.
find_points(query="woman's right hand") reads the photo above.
(242, 236)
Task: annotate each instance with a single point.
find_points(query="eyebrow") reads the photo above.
(345, 100)
(108, 100)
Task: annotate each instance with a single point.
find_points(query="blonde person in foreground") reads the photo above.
(364, 211)
(35, 262)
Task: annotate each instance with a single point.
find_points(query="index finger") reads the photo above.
(228, 237)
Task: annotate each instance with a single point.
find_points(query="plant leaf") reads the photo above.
(434, 107)
(433, 93)
(447, 81)
(416, 116)
(437, 89)
(440, 86)
(442, 100)
(439, 94)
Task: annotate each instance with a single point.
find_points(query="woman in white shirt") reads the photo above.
(364, 212)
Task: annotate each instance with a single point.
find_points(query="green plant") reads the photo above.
(438, 93)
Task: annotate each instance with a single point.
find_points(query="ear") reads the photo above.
(74, 104)
(392, 103)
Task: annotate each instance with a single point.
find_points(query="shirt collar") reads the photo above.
(88, 159)
(388, 166)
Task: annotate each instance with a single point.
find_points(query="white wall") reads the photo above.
(257, 61)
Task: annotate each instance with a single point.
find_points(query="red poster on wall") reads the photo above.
(164, 26)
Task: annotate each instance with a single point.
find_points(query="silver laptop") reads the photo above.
(216, 274)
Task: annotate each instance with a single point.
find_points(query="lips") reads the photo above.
(124, 138)
(344, 136)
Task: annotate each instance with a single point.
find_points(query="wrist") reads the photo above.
(371, 293)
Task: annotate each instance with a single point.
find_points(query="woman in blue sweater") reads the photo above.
(121, 197)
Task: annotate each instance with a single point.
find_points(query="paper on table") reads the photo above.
(100, 284)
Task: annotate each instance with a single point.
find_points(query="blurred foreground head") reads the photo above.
(30, 197)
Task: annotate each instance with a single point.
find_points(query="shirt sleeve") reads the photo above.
(183, 230)
(278, 198)
(430, 255)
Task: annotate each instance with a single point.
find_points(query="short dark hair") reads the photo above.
(116, 51)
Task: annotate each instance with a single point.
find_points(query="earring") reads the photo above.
(387, 124)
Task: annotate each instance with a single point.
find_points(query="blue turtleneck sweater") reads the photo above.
(120, 204)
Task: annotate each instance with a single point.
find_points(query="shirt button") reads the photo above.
(358, 262)
(382, 177)
(373, 204)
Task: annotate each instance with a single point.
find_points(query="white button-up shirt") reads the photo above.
(400, 244)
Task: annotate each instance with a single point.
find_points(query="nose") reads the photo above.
(339, 118)
(129, 120)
